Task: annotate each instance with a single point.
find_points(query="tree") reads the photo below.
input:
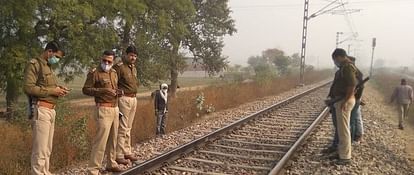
(279, 59)
(295, 60)
(16, 45)
(162, 30)
(200, 28)
(80, 27)
(262, 67)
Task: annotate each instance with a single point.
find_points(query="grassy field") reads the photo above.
(78, 82)
(75, 126)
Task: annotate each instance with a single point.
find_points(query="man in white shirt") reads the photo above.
(403, 95)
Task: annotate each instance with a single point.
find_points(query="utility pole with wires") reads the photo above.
(303, 49)
(330, 8)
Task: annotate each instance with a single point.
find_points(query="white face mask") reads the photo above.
(106, 67)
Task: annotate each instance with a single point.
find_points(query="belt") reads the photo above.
(106, 105)
(130, 95)
(46, 104)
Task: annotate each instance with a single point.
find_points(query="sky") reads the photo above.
(264, 24)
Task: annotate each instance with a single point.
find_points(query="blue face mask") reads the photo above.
(53, 60)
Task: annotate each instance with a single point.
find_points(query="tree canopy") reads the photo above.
(164, 31)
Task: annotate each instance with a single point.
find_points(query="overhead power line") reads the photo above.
(296, 5)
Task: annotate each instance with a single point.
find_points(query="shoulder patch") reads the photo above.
(120, 63)
(33, 61)
(92, 70)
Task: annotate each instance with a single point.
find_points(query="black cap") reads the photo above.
(109, 53)
(131, 49)
(339, 52)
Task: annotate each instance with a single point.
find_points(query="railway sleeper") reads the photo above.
(272, 135)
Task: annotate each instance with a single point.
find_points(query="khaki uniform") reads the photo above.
(106, 117)
(346, 78)
(39, 82)
(127, 105)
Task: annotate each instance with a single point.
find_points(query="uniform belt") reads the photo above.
(130, 94)
(106, 105)
(46, 104)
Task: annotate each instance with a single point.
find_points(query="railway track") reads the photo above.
(260, 143)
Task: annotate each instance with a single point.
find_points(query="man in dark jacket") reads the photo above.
(161, 108)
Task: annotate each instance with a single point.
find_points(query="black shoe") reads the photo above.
(122, 161)
(401, 127)
(343, 162)
(114, 169)
(334, 157)
(358, 138)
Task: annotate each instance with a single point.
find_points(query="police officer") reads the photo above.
(102, 83)
(40, 85)
(344, 87)
(128, 83)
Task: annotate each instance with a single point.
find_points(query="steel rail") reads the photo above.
(285, 159)
(173, 154)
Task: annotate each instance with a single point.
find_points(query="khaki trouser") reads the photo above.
(107, 122)
(403, 112)
(128, 107)
(43, 126)
(344, 134)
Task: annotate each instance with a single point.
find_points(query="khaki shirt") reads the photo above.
(127, 75)
(97, 80)
(345, 78)
(40, 80)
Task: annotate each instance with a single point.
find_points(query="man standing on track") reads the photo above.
(40, 85)
(102, 83)
(128, 83)
(403, 94)
(344, 87)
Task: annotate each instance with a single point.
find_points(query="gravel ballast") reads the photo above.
(383, 150)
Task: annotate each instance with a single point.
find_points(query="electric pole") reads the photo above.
(337, 39)
(329, 8)
(303, 49)
(374, 43)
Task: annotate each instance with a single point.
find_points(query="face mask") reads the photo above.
(53, 60)
(106, 67)
(337, 64)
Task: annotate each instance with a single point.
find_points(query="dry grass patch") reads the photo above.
(75, 126)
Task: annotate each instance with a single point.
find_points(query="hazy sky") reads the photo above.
(264, 24)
